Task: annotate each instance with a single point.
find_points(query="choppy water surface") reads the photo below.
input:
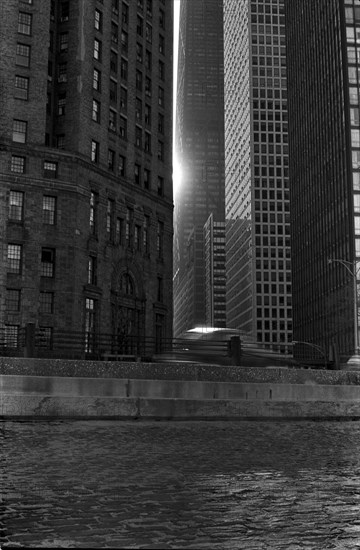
(240, 485)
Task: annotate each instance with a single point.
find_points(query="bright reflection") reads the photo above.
(177, 176)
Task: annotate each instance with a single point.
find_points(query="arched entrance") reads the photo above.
(127, 315)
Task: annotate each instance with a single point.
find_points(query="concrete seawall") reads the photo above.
(42, 389)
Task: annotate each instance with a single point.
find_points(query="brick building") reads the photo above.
(86, 167)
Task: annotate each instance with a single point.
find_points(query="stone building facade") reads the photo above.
(86, 167)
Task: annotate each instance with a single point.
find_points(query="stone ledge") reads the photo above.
(172, 371)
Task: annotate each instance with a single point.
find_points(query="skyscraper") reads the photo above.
(86, 166)
(200, 151)
(324, 138)
(256, 181)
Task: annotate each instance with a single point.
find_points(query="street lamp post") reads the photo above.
(315, 346)
(351, 268)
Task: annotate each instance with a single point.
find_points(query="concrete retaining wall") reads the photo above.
(54, 397)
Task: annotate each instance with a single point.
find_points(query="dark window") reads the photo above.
(124, 69)
(137, 174)
(16, 205)
(46, 302)
(160, 187)
(65, 10)
(50, 169)
(12, 299)
(21, 87)
(92, 275)
(111, 160)
(23, 55)
(19, 131)
(147, 178)
(123, 127)
(18, 164)
(122, 166)
(14, 254)
(24, 23)
(49, 209)
(95, 151)
(47, 262)
(64, 41)
(94, 199)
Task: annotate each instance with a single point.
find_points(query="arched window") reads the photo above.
(127, 284)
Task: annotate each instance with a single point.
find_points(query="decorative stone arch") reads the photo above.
(127, 308)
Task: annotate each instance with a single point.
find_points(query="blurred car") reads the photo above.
(215, 345)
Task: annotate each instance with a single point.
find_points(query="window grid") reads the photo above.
(49, 209)
(13, 297)
(46, 302)
(18, 164)
(14, 258)
(16, 203)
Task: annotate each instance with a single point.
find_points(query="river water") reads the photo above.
(239, 485)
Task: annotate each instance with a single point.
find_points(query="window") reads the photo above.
(137, 172)
(24, 23)
(124, 40)
(115, 7)
(148, 32)
(147, 142)
(62, 72)
(139, 25)
(161, 44)
(161, 19)
(47, 268)
(160, 289)
(148, 86)
(160, 186)
(98, 20)
(64, 41)
(148, 60)
(90, 323)
(112, 120)
(14, 253)
(92, 278)
(19, 131)
(137, 237)
(50, 169)
(160, 239)
(125, 14)
(122, 166)
(161, 96)
(94, 199)
(12, 299)
(18, 164)
(160, 150)
(139, 52)
(97, 80)
(113, 90)
(22, 55)
(146, 233)
(95, 111)
(123, 127)
(61, 104)
(147, 178)
(139, 80)
(95, 151)
(161, 70)
(45, 337)
(128, 227)
(110, 209)
(138, 109)
(161, 123)
(138, 137)
(118, 231)
(97, 49)
(21, 87)
(113, 62)
(111, 160)
(149, 8)
(147, 115)
(124, 69)
(60, 141)
(16, 204)
(11, 336)
(49, 209)
(46, 302)
(123, 98)
(65, 10)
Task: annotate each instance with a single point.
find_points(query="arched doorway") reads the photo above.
(127, 315)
